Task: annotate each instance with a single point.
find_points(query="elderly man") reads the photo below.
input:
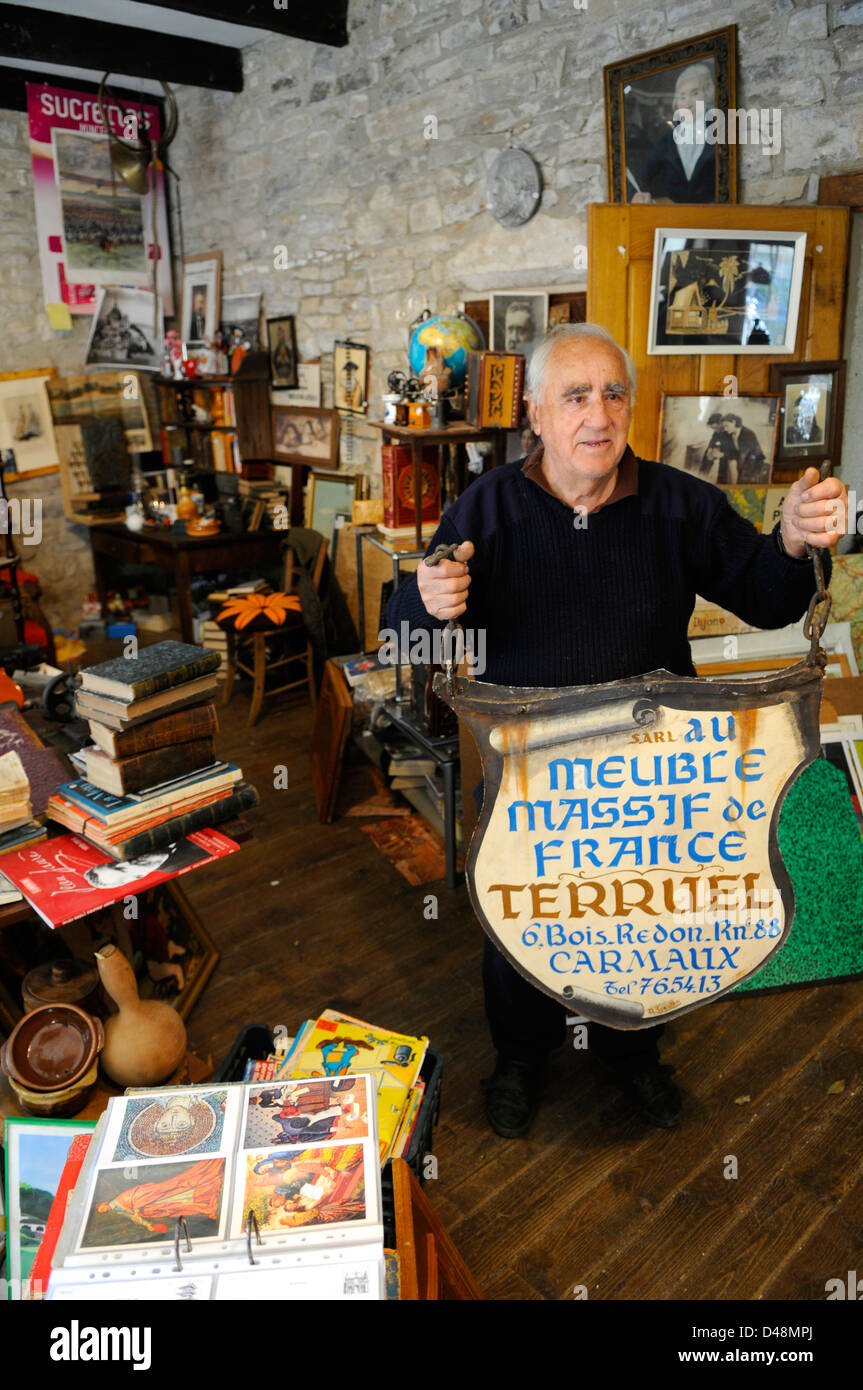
(582, 563)
(681, 167)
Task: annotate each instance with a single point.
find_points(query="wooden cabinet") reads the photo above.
(239, 432)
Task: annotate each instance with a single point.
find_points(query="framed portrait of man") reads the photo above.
(668, 117)
(812, 397)
(202, 293)
(519, 319)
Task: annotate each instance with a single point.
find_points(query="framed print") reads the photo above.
(306, 434)
(727, 440)
(282, 349)
(122, 331)
(725, 291)
(241, 315)
(307, 390)
(350, 378)
(519, 319)
(36, 1151)
(811, 403)
(202, 296)
(28, 447)
(671, 123)
(328, 495)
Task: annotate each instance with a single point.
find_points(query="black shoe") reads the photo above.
(652, 1092)
(512, 1094)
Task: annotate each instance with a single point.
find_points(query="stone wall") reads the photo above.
(369, 165)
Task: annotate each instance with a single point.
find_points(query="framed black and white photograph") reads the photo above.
(122, 331)
(725, 292)
(350, 377)
(518, 320)
(282, 348)
(812, 400)
(727, 440)
(667, 123)
(241, 319)
(202, 294)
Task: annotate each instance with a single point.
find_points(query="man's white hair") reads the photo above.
(562, 333)
(705, 76)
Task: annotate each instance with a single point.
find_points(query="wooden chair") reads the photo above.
(264, 646)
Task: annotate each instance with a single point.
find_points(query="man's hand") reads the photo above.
(443, 587)
(813, 513)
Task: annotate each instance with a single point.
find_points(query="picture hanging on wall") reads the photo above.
(812, 398)
(727, 292)
(518, 321)
(671, 123)
(304, 434)
(350, 377)
(727, 440)
(282, 347)
(307, 390)
(27, 441)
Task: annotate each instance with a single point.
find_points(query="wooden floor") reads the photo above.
(310, 916)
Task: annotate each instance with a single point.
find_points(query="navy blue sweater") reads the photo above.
(567, 606)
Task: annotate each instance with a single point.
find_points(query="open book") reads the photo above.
(229, 1192)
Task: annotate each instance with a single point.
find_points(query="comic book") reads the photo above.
(338, 1045)
(260, 1191)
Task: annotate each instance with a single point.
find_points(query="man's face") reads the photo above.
(729, 426)
(689, 91)
(518, 328)
(584, 416)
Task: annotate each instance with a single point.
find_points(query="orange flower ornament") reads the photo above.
(244, 610)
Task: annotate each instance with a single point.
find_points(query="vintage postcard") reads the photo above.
(312, 1187)
(139, 1204)
(297, 1113)
(170, 1124)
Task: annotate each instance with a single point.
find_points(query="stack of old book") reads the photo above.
(15, 807)
(152, 775)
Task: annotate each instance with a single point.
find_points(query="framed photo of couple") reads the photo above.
(726, 440)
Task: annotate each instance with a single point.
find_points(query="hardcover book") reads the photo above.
(161, 827)
(153, 669)
(398, 487)
(148, 769)
(122, 714)
(276, 1187)
(195, 721)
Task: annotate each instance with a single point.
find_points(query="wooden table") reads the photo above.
(457, 432)
(182, 556)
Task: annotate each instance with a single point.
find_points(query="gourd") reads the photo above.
(145, 1041)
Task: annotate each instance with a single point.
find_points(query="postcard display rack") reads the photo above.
(222, 1192)
(238, 430)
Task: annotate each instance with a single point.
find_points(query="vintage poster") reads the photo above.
(92, 228)
(626, 859)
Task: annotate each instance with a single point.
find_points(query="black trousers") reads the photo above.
(527, 1024)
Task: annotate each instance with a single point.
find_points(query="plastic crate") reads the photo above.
(255, 1042)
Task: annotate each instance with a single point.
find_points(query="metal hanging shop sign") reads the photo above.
(626, 859)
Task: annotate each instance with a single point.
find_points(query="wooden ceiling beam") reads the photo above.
(39, 36)
(319, 21)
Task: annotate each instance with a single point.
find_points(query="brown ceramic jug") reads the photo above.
(146, 1041)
